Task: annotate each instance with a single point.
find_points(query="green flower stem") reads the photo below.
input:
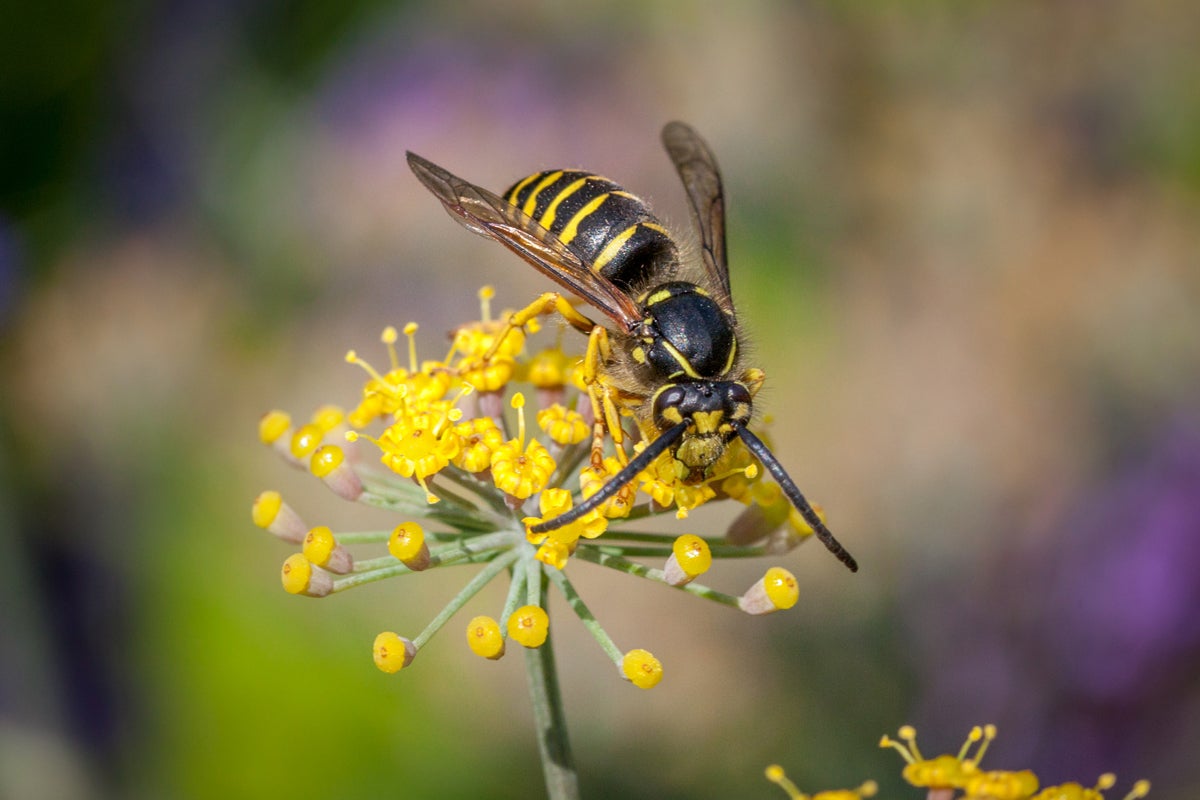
(533, 586)
(362, 537)
(485, 491)
(516, 588)
(585, 616)
(596, 556)
(377, 569)
(722, 551)
(467, 518)
(483, 578)
(558, 768)
(569, 461)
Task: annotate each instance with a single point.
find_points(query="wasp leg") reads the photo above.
(600, 394)
(753, 380)
(545, 305)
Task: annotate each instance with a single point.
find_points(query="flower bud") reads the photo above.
(393, 652)
(329, 464)
(777, 590)
(485, 638)
(322, 549)
(642, 669)
(690, 558)
(407, 543)
(301, 576)
(272, 513)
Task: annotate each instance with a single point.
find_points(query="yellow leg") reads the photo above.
(545, 305)
(604, 411)
(753, 378)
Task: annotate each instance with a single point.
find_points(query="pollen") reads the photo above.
(641, 669)
(529, 626)
(392, 652)
(485, 638)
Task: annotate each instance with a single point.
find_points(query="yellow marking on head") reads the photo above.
(671, 414)
(707, 421)
(511, 197)
(572, 227)
(613, 247)
(531, 201)
(639, 355)
(547, 218)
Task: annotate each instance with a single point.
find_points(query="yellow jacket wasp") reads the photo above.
(670, 356)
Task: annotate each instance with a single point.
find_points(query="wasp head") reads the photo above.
(712, 410)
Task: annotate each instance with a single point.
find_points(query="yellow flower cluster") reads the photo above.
(961, 773)
(959, 777)
(455, 448)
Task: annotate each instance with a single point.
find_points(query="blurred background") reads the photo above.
(963, 236)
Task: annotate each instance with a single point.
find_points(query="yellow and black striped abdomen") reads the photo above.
(609, 228)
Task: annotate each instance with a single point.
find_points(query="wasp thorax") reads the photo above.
(688, 332)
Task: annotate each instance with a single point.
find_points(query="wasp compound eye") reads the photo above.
(668, 405)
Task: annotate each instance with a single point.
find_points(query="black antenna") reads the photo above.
(763, 454)
(621, 479)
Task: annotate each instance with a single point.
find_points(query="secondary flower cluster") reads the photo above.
(945, 776)
(448, 442)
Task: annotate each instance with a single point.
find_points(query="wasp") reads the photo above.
(669, 353)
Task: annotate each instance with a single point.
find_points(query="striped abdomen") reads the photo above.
(609, 228)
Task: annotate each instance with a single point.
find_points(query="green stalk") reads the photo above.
(562, 782)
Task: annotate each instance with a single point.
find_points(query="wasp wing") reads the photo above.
(702, 180)
(487, 214)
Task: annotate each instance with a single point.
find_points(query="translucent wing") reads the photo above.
(487, 214)
(702, 180)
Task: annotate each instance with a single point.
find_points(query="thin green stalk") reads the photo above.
(483, 578)
(633, 568)
(558, 768)
(585, 616)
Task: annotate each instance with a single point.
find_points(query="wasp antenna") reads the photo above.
(763, 454)
(627, 474)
